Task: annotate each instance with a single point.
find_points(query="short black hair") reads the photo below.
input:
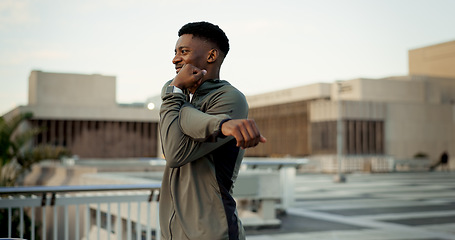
(207, 31)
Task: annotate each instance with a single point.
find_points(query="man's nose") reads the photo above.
(176, 59)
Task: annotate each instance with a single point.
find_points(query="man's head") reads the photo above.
(203, 45)
(207, 31)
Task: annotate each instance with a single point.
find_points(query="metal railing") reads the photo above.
(287, 168)
(69, 207)
(109, 211)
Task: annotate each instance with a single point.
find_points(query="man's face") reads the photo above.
(192, 50)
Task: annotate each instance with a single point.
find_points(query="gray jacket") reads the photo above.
(202, 165)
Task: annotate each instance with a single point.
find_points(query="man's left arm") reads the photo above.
(227, 116)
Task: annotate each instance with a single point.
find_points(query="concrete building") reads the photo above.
(80, 112)
(436, 60)
(397, 116)
(394, 116)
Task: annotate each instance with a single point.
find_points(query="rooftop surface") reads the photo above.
(385, 206)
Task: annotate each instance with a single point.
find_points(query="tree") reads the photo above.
(15, 157)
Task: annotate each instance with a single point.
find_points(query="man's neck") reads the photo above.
(211, 76)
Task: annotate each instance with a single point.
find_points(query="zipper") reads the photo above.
(170, 221)
(172, 199)
(193, 97)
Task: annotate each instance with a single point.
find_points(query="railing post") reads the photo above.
(65, 215)
(148, 228)
(62, 224)
(87, 221)
(98, 220)
(158, 226)
(43, 217)
(108, 221)
(76, 233)
(33, 223)
(157, 216)
(119, 222)
(287, 176)
(21, 225)
(128, 223)
(138, 222)
(55, 222)
(10, 220)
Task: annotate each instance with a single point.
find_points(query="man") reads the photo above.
(204, 131)
(445, 161)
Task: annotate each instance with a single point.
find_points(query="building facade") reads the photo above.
(394, 116)
(436, 60)
(80, 112)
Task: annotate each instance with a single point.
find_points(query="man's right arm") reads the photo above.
(178, 148)
(226, 116)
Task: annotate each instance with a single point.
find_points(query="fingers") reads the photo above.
(189, 77)
(263, 139)
(253, 130)
(245, 131)
(196, 79)
(250, 134)
(198, 74)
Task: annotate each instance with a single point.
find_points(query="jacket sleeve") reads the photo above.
(205, 126)
(178, 147)
(200, 126)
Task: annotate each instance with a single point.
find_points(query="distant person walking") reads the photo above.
(443, 161)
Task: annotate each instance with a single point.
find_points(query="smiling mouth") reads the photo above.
(177, 69)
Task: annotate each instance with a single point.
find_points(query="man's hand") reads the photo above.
(245, 131)
(189, 77)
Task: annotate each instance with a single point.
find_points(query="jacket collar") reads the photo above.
(210, 85)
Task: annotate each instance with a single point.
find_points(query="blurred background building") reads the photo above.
(397, 116)
(80, 113)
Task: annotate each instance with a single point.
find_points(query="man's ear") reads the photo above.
(213, 55)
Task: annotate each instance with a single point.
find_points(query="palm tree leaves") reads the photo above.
(16, 156)
(11, 141)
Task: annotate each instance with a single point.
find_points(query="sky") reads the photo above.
(274, 44)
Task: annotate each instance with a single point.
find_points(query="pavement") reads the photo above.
(379, 206)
